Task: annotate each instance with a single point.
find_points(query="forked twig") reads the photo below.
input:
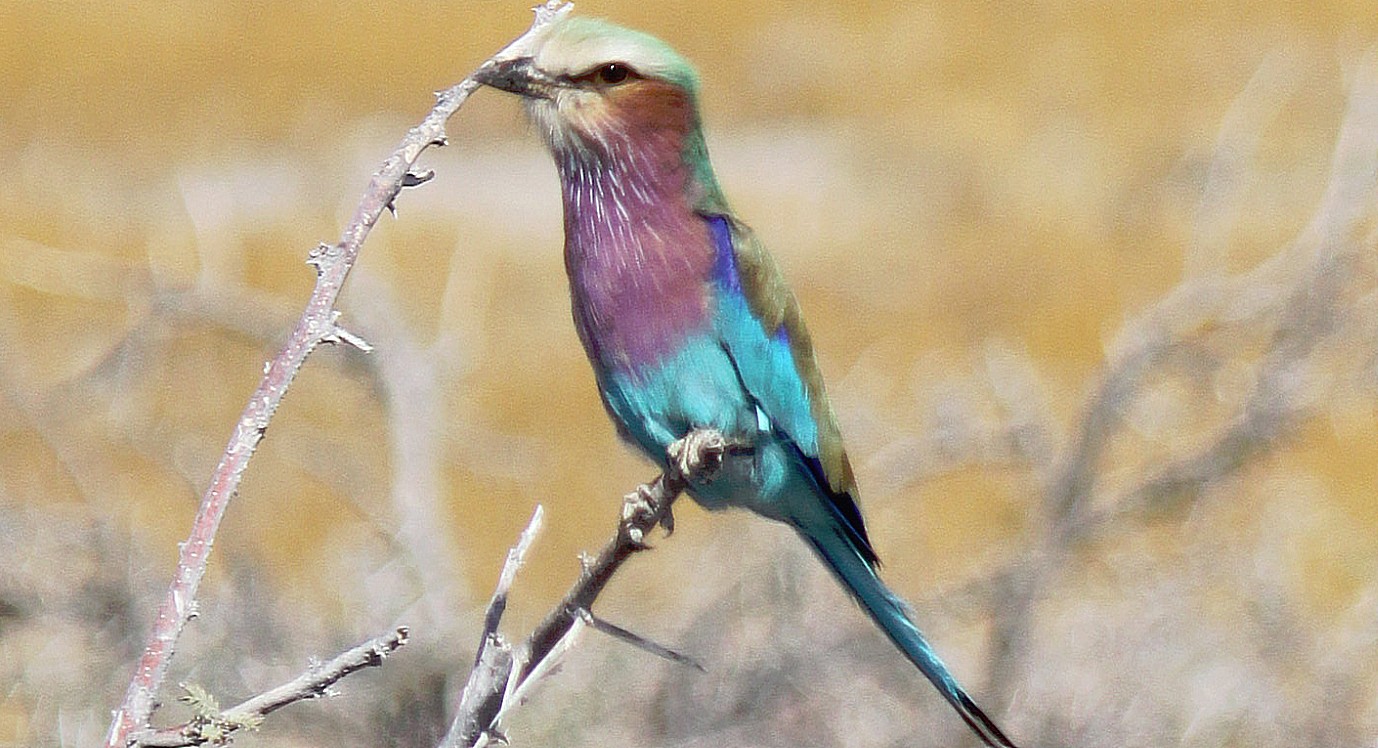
(501, 676)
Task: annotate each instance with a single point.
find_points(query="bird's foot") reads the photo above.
(638, 505)
(639, 512)
(698, 455)
(695, 458)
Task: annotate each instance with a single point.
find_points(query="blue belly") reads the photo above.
(699, 387)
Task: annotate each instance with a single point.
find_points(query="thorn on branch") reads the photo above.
(338, 334)
(321, 254)
(414, 179)
(638, 641)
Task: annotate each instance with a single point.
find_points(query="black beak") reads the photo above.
(518, 76)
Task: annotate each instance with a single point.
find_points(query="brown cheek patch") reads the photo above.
(654, 107)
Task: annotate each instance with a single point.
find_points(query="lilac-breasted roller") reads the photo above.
(685, 317)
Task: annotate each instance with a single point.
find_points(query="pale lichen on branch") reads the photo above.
(211, 725)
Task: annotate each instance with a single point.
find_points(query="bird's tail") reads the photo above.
(892, 615)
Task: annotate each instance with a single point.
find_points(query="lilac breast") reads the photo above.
(639, 258)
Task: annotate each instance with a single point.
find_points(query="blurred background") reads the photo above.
(1092, 284)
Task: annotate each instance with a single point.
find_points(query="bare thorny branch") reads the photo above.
(319, 323)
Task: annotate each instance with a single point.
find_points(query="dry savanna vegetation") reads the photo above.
(1093, 286)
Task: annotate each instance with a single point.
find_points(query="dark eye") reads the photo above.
(612, 74)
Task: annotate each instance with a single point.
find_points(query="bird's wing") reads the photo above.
(764, 334)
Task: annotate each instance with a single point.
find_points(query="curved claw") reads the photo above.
(667, 521)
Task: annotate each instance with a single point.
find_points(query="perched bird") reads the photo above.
(685, 317)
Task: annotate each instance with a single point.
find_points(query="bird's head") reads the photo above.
(592, 86)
